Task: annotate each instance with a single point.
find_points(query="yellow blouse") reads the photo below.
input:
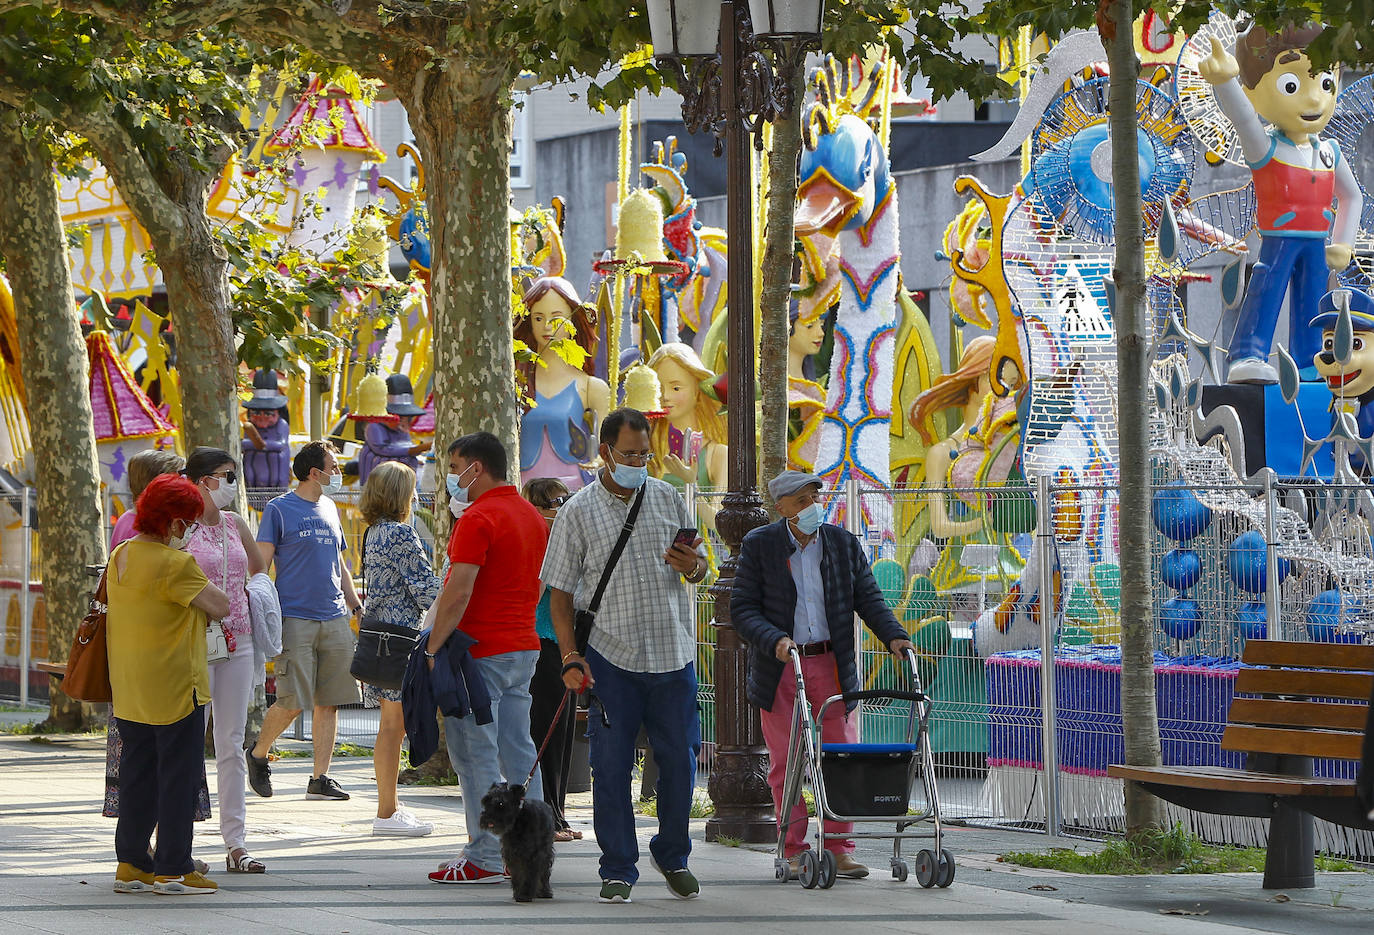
(156, 638)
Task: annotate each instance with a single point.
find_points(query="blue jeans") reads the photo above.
(502, 750)
(1292, 265)
(665, 703)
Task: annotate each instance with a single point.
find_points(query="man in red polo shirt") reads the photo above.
(495, 553)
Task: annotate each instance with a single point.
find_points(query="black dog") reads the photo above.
(525, 827)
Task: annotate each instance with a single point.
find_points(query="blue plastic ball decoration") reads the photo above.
(1324, 614)
(1178, 513)
(1181, 618)
(1180, 569)
(1246, 563)
(1252, 620)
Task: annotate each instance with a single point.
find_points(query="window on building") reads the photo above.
(521, 144)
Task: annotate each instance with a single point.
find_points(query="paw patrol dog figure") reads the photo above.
(1351, 383)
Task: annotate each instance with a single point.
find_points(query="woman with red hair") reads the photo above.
(159, 600)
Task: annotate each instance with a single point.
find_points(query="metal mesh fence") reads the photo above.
(964, 571)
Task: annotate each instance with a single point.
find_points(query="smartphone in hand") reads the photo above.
(684, 537)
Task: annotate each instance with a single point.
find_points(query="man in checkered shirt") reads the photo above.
(641, 651)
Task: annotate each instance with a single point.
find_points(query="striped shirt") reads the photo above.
(646, 621)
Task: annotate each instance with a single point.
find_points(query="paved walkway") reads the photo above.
(327, 874)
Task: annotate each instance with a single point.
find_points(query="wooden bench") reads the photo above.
(1303, 700)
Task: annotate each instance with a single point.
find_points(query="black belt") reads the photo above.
(819, 648)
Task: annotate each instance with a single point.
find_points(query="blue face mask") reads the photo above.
(809, 519)
(628, 476)
(456, 490)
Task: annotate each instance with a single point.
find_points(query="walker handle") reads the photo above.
(882, 695)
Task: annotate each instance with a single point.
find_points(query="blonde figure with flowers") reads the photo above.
(566, 402)
(690, 438)
(981, 452)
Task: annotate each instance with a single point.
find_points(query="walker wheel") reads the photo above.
(829, 870)
(780, 870)
(900, 870)
(810, 870)
(944, 876)
(925, 867)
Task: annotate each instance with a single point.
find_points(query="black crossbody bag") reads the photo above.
(584, 620)
(383, 648)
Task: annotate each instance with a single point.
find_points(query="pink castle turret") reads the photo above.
(335, 143)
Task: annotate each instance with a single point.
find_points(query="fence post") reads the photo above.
(852, 522)
(1274, 630)
(689, 493)
(25, 612)
(1049, 752)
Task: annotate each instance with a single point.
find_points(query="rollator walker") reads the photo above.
(863, 783)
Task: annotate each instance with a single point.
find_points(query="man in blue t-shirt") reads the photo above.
(300, 530)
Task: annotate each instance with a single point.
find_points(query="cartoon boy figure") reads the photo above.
(1351, 383)
(1296, 176)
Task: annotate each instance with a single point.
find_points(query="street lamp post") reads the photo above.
(734, 93)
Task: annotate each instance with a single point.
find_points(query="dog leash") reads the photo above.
(553, 726)
(593, 701)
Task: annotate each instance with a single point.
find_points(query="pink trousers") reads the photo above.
(822, 681)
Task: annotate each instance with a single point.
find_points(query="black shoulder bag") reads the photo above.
(383, 649)
(584, 620)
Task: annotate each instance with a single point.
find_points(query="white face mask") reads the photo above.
(456, 506)
(224, 494)
(179, 542)
(334, 484)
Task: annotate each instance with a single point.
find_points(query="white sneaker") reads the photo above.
(401, 824)
(1251, 370)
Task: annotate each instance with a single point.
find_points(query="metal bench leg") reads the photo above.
(1290, 862)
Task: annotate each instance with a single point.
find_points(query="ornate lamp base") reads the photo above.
(739, 780)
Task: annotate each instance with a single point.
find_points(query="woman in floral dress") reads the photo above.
(399, 585)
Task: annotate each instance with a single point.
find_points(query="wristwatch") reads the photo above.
(430, 655)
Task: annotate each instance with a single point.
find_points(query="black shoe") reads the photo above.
(259, 774)
(322, 787)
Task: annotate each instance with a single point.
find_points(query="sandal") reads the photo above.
(564, 834)
(244, 863)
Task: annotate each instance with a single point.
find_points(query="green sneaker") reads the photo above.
(681, 883)
(615, 891)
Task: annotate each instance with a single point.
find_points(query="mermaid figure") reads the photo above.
(563, 404)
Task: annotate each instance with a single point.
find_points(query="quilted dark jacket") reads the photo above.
(764, 603)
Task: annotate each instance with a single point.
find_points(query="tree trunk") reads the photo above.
(776, 298)
(196, 274)
(461, 118)
(56, 376)
(168, 195)
(1139, 719)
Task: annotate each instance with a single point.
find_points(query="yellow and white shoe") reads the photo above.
(186, 884)
(130, 879)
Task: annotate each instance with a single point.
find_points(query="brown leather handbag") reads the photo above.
(88, 663)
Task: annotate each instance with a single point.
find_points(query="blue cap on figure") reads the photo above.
(1361, 310)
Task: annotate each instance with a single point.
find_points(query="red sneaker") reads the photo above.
(462, 870)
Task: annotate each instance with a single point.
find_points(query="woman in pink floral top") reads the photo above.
(224, 549)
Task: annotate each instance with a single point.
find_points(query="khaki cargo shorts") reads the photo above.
(312, 669)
